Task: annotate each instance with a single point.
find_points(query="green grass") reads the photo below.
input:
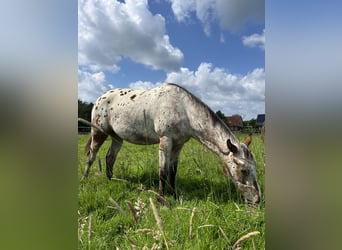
(220, 216)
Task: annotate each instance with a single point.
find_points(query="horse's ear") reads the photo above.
(248, 140)
(232, 147)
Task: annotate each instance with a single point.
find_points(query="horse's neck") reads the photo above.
(211, 132)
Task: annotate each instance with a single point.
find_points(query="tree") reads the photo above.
(221, 115)
(250, 123)
(84, 111)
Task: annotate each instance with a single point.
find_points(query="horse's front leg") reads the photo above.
(111, 155)
(165, 147)
(176, 149)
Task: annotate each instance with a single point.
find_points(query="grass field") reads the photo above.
(124, 213)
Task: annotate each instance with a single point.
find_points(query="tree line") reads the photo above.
(84, 111)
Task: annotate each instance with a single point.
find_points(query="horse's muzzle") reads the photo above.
(250, 193)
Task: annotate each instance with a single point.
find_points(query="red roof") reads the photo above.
(234, 121)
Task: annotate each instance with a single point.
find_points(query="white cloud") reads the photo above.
(110, 30)
(143, 85)
(255, 40)
(222, 40)
(91, 86)
(204, 12)
(235, 14)
(182, 9)
(231, 15)
(220, 90)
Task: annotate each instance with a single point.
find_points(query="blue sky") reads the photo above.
(214, 48)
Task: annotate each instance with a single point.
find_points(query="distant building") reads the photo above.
(235, 122)
(260, 121)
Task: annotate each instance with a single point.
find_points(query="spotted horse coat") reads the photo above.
(168, 115)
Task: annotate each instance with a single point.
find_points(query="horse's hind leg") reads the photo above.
(95, 141)
(111, 155)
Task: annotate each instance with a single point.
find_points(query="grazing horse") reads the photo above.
(168, 115)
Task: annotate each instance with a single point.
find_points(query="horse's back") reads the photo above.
(141, 116)
(136, 103)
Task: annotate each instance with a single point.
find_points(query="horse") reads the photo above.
(169, 115)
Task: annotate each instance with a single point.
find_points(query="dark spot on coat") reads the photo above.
(133, 96)
(108, 102)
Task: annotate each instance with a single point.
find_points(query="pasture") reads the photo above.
(124, 213)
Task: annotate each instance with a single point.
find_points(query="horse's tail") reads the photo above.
(87, 146)
(92, 125)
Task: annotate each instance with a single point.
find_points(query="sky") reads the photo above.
(213, 48)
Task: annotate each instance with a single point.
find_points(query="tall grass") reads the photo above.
(208, 214)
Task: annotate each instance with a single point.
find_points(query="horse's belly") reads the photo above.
(138, 138)
(142, 140)
(137, 134)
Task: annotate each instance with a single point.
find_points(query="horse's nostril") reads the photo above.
(245, 171)
(253, 201)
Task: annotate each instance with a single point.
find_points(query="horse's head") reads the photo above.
(241, 167)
